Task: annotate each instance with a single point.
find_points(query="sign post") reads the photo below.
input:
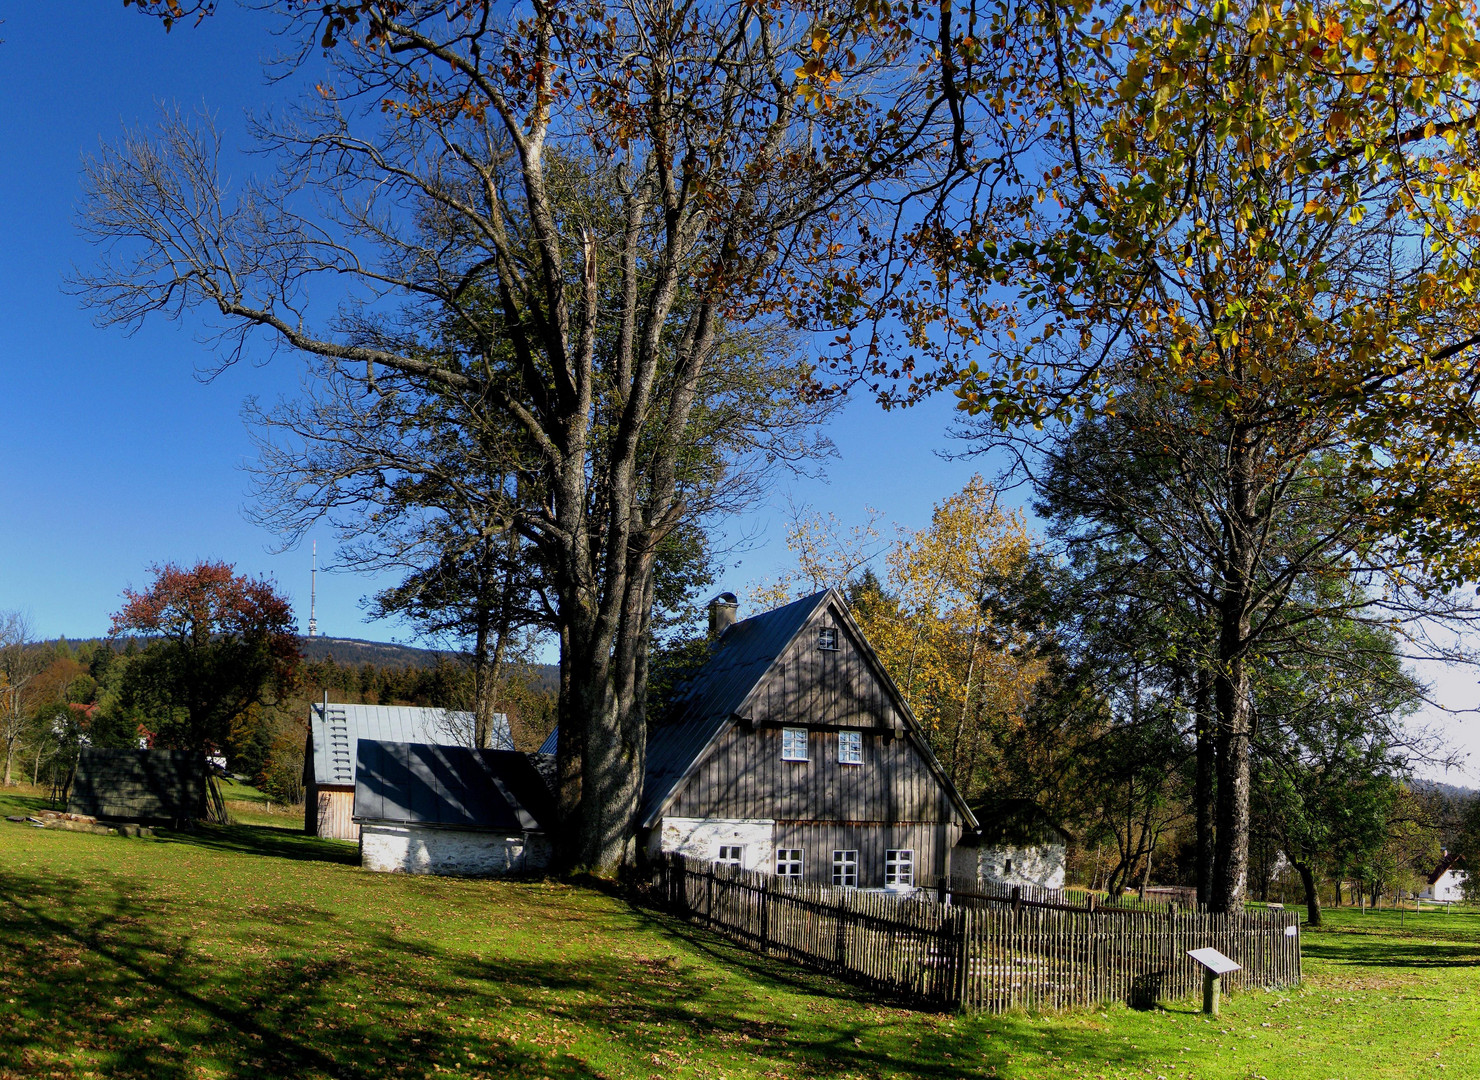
(1215, 965)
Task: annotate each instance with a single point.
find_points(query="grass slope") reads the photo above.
(251, 951)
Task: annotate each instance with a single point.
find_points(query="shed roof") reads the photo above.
(450, 787)
(334, 736)
(139, 785)
(1021, 822)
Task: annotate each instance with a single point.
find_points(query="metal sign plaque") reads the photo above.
(1213, 960)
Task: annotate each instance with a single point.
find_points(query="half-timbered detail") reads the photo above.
(792, 752)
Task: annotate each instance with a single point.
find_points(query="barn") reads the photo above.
(792, 752)
(425, 809)
(152, 787)
(329, 756)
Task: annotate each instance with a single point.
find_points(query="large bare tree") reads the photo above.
(599, 195)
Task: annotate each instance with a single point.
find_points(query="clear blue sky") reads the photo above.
(114, 455)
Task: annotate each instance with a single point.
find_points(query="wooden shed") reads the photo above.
(329, 757)
(450, 810)
(153, 787)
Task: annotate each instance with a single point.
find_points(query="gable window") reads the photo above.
(850, 747)
(732, 855)
(794, 744)
(899, 867)
(789, 863)
(827, 638)
(845, 868)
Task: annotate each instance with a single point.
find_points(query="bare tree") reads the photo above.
(598, 200)
(20, 662)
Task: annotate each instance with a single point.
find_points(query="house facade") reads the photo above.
(329, 758)
(1017, 844)
(1446, 885)
(792, 752)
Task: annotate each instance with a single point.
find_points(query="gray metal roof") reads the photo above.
(334, 736)
(705, 703)
(450, 787)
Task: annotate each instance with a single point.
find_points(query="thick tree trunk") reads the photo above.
(1204, 792)
(1312, 894)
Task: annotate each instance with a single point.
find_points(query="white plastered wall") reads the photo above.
(1038, 865)
(411, 849)
(701, 838)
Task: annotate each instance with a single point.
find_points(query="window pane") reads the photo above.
(845, 868)
(899, 867)
(827, 638)
(731, 855)
(789, 862)
(794, 744)
(850, 747)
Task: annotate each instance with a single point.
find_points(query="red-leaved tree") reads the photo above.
(223, 643)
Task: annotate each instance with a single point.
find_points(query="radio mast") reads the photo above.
(313, 594)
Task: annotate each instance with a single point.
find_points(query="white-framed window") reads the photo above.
(850, 747)
(789, 863)
(827, 638)
(731, 855)
(793, 744)
(899, 867)
(845, 868)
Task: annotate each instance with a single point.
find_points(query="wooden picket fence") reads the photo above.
(980, 953)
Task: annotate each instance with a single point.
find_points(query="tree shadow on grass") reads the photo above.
(1388, 953)
(263, 840)
(112, 978)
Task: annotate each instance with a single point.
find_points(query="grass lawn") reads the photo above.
(252, 951)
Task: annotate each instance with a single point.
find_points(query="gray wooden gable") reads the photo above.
(718, 759)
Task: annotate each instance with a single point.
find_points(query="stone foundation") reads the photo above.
(413, 849)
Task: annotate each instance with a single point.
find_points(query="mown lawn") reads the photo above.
(251, 951)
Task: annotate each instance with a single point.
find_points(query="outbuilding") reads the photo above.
(1018, 844)
(151, 787)
(425, 809)
(329, 757)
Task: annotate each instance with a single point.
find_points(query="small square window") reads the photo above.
(845, 868)
(794, 744)
(731, 855)
(899, 867)
(789, 863)
(827, 638)
(850, 747)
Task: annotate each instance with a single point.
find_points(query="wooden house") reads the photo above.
(164, 787)
(791, 751)
(424, 809)
(329, 756)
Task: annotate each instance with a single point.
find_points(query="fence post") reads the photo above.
(1017, 904)
(766, 917)
(709, 896)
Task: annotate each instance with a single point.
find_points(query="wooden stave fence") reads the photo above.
(969, 955)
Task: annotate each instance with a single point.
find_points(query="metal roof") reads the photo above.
(450, 787)
(552, 741)
(706, 701)
(334, 736)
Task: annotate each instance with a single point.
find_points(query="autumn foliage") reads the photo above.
(225, 643)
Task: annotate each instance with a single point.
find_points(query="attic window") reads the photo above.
(827, 638)
(794, 744)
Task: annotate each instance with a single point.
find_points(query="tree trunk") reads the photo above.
(9, 757)
(1312, 894)
(1203, 785)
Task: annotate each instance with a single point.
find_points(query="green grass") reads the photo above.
(250, 951)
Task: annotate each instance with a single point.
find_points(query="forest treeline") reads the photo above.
(90, 693)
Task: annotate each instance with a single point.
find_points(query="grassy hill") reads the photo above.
(252, 951)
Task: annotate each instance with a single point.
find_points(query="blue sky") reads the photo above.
(116, 454)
